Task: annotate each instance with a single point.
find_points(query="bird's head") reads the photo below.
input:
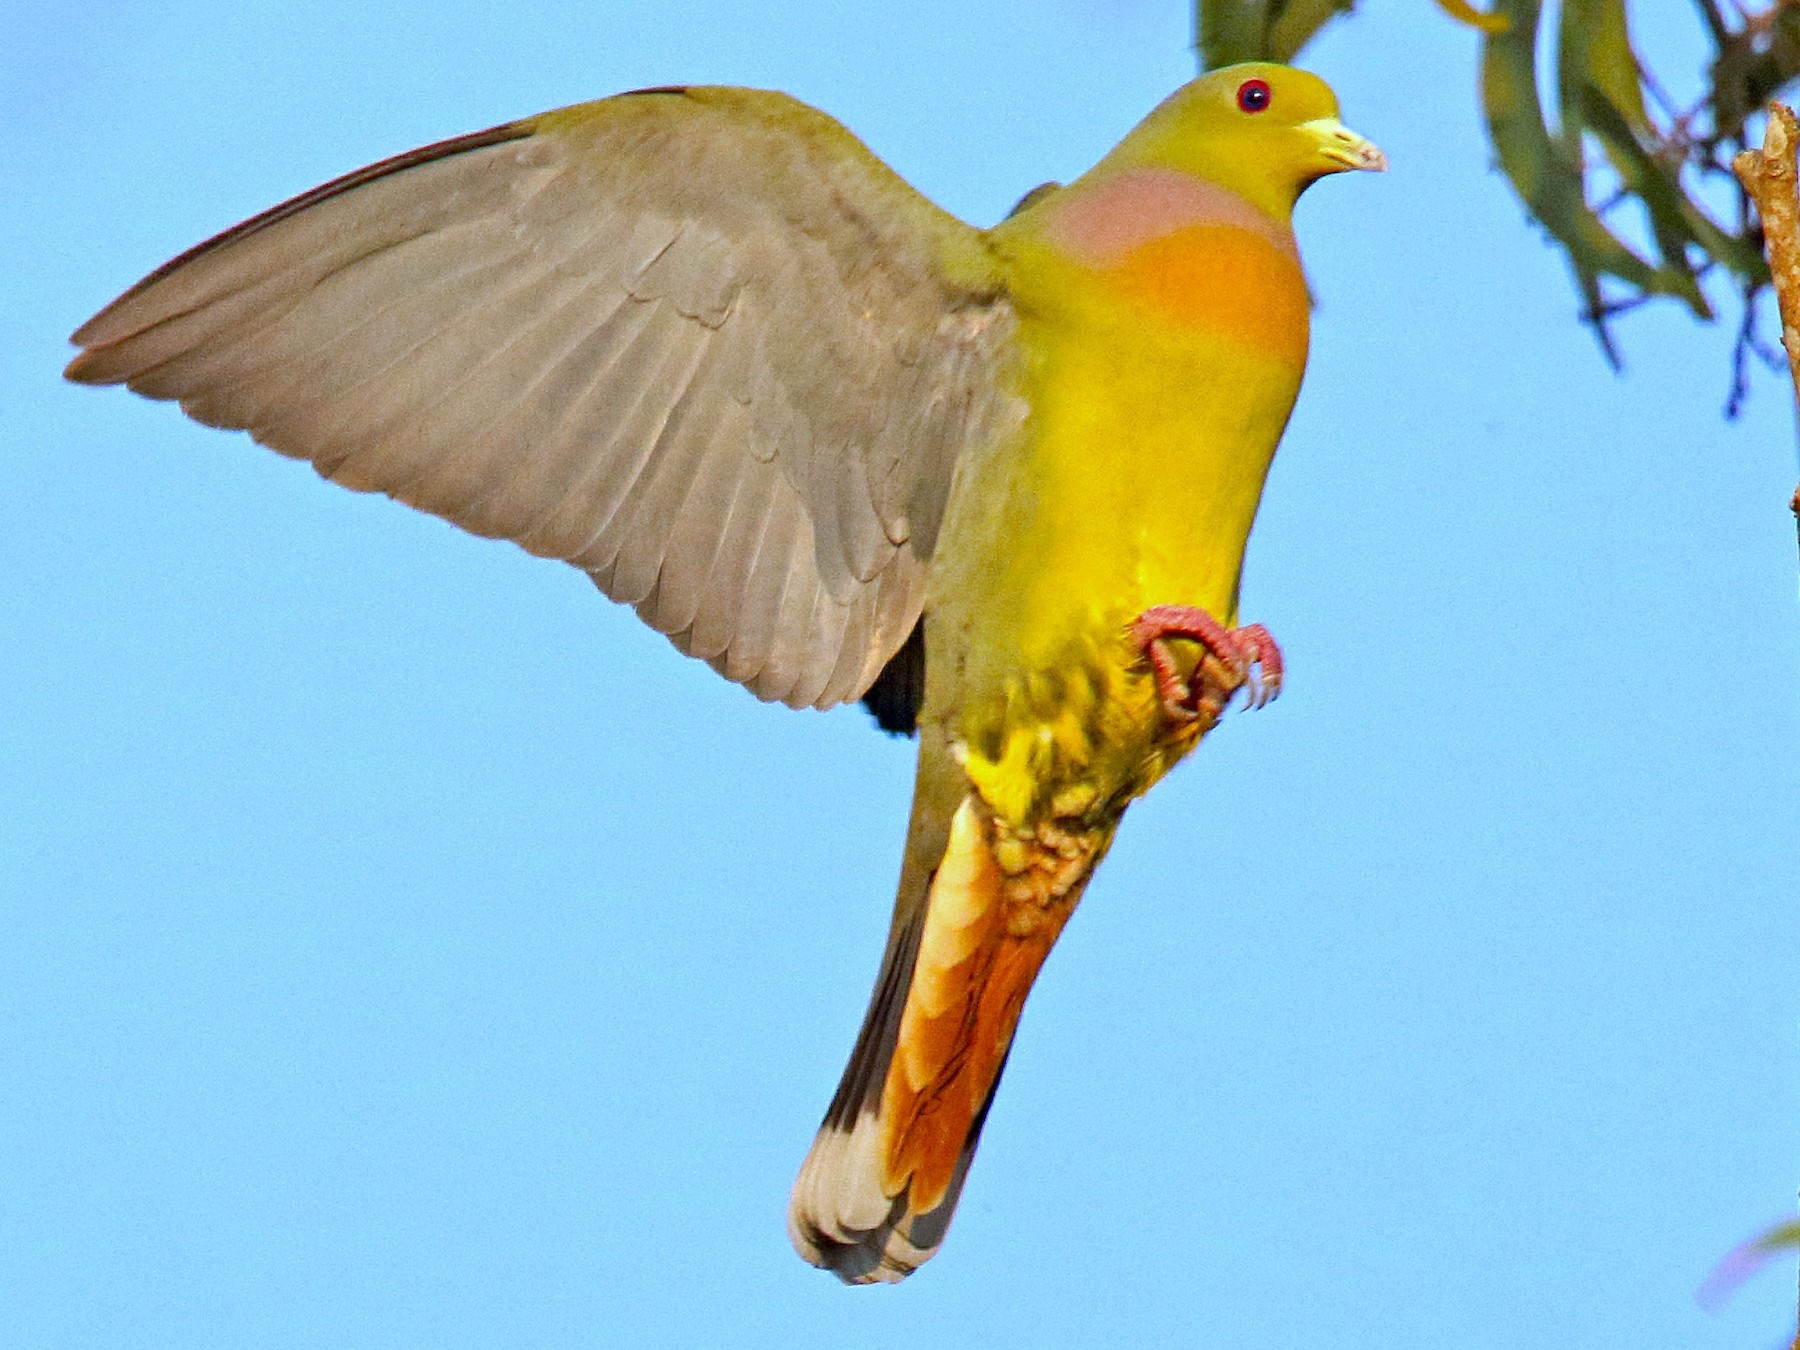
(1263, 131)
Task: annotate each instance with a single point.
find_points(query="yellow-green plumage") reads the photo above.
(1133, 483)
(701, 344)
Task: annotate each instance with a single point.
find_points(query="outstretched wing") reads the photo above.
(699, 342)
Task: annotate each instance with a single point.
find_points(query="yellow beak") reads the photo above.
(1343, 147)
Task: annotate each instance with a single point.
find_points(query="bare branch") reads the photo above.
(1769, 175)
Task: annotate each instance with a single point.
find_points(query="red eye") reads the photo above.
(1253, 95)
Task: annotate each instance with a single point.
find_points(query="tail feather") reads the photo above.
(878, 1189)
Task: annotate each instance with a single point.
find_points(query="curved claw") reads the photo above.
(1265, 653)
(1249, 656)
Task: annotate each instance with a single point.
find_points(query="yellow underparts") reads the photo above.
(1159, 385)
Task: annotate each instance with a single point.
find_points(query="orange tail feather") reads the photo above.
(877, 1191)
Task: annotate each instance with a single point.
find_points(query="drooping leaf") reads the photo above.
(1594, 48)
(1299, 22)
(1675, 214)
(1229, 31)
(1543, 172)
(1463, 12)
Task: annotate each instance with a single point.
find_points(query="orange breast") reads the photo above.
(1222, 280)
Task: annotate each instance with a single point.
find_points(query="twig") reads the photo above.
(1769, 176)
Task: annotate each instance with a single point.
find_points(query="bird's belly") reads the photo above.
(1136, 486)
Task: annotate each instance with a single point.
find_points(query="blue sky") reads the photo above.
(400, 946)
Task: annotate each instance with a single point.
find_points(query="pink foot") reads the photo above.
(1231, 659)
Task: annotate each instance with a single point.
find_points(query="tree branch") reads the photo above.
(1769, 176)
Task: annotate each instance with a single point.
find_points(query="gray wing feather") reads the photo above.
(701, 524)
(704, 347)
(725, 599)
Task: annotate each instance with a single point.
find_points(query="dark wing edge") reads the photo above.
(92, 334)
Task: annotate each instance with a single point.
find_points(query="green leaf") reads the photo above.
(1229, 31)
(1594, 48)
(1463, 12)
(1299, 23)
(1543, 173)
(1675, 217)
